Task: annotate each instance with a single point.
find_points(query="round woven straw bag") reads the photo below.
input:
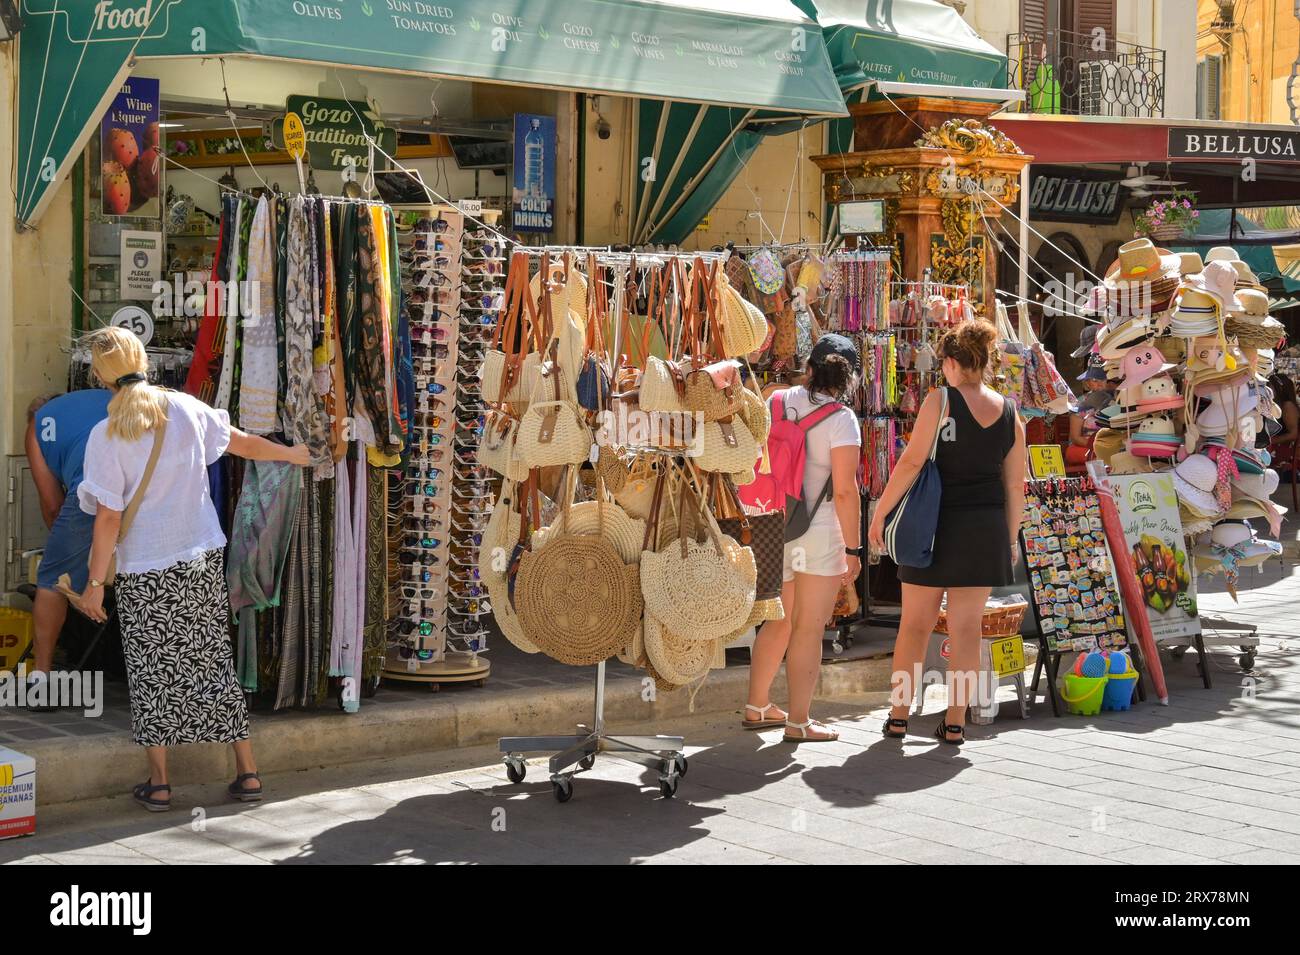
(576, 598)
(675, 659)
(744, 327)
(625, 533)
(701, 591)
(661, 685)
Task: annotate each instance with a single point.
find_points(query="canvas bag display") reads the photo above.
(910, 526)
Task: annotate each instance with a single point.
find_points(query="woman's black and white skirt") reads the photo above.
(179, 665)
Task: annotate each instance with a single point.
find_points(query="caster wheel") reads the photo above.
(563, 786)
(1247, 661)
(516, 770)
(371, 687)
(681, 765)
(668, 786)
(587, 762)
(837, 648)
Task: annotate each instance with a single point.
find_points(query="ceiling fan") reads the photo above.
(1140, 182)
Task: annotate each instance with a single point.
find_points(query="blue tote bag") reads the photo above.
(910, 526)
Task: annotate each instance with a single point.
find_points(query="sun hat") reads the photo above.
(1114, 340)
(1087, 338)
(1258, 486)
(1190, 263)
(1125, 462)
(1159, 394)
(1220, 280)
(1154, 438)
(1263, 362)
(1096, 371)
(1224, 253)
(1140, 260)
(1120, 416)
(1245, 492)
(1238, 538)
(1107, 443)
(1227, 406)
(1139, 364)
(1254, 307)
(1196, 313)
(1245, 509)
(1195, 478)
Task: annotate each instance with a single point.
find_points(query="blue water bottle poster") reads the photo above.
(532, 202)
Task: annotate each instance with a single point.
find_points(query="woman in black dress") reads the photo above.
(981, 460)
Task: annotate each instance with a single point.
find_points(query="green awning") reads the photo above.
(749, 54)
(906, 41)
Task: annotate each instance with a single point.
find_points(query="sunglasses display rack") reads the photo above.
(431, 252)
(473, 489)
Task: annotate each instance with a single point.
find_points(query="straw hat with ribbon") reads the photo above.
(1195, 479)
(1252, 325)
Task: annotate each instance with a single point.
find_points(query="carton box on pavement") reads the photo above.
(17, 794)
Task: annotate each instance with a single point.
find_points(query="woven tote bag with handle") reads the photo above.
(552, 432)
(499, 537)
(509, 370)
(699, 590)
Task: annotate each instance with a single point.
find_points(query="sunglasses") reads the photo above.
(407, 627)
(428, 279)
(417, 557)
(471, 578)
(448, 296)
(434, 226)
(427, 334)
(426, 243)
(415, 522)
(422, 472)
(416, 592)
(483, 246)
(418, 576)
(484, 302)
(475, 266)
(474, 609)
(424, 461)
(475, 472)
(422, 541)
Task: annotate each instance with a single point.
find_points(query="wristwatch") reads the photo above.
(95, 583)
(857, 552)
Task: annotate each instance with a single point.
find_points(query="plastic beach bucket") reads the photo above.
(1083, 694)
(1118, 694)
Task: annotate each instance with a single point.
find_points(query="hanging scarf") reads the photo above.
(303, 420)
(200, 381)
(259, 375)
(260, 536)
(226, 383)
(344, 226)
(373, 354)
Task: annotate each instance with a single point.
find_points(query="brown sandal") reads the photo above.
(803, 736)
(763, 722)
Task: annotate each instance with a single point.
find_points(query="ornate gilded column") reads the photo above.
(945, 175)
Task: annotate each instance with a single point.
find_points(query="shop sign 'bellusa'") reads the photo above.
(1075, 195)
(1270, 145)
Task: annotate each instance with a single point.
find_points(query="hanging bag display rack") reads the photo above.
(667, 753)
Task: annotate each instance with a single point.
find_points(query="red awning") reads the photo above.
(1088, 139)
(1070, 141)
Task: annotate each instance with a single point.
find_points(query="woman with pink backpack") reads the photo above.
(814, 448)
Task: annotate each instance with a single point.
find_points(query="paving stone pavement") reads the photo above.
(1213, 778)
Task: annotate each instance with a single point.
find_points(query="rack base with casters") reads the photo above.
(575, 754)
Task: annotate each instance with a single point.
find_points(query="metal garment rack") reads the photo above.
(667, 752)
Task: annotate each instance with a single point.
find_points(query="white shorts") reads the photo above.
(820, 552)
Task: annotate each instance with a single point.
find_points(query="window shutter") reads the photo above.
(1033, 16)
(1213, 82)
(1090, 14)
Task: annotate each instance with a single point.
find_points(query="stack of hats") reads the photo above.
(1193, 359)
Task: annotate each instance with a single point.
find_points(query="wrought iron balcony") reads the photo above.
(1062, 72)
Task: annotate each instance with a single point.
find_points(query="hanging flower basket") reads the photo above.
(1168, 219)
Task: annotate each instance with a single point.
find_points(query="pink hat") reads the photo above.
(1139, 364)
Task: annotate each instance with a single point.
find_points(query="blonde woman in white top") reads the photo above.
(170, 582)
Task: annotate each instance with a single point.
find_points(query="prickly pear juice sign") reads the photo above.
(130, 154)
(1153, 533)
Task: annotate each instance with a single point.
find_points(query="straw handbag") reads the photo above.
(499, 536)
(608, 520)
(676, 659)
(566, 287)
(663, 380)
(726, 446)
(509, 370)
(496, 446)
(701, 591)
(552, 432)
(742, 324)
(755, 413)
(576, 598)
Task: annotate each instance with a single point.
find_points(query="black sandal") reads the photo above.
(891, 723)
(946, 728)
(143, 794)
(238, 792)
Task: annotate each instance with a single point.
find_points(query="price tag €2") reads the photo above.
(1046, 461)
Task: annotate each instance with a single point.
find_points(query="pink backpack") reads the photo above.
(782, 488)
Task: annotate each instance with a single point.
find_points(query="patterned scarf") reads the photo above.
(374, 353)
(259, 366)
(303, 420)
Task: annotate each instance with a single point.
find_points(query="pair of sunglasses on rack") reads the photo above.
(468, 610)
(446, 296)
(433, 226)
(423, 628)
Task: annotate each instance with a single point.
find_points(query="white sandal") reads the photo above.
(803, 736)
(763, 722)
